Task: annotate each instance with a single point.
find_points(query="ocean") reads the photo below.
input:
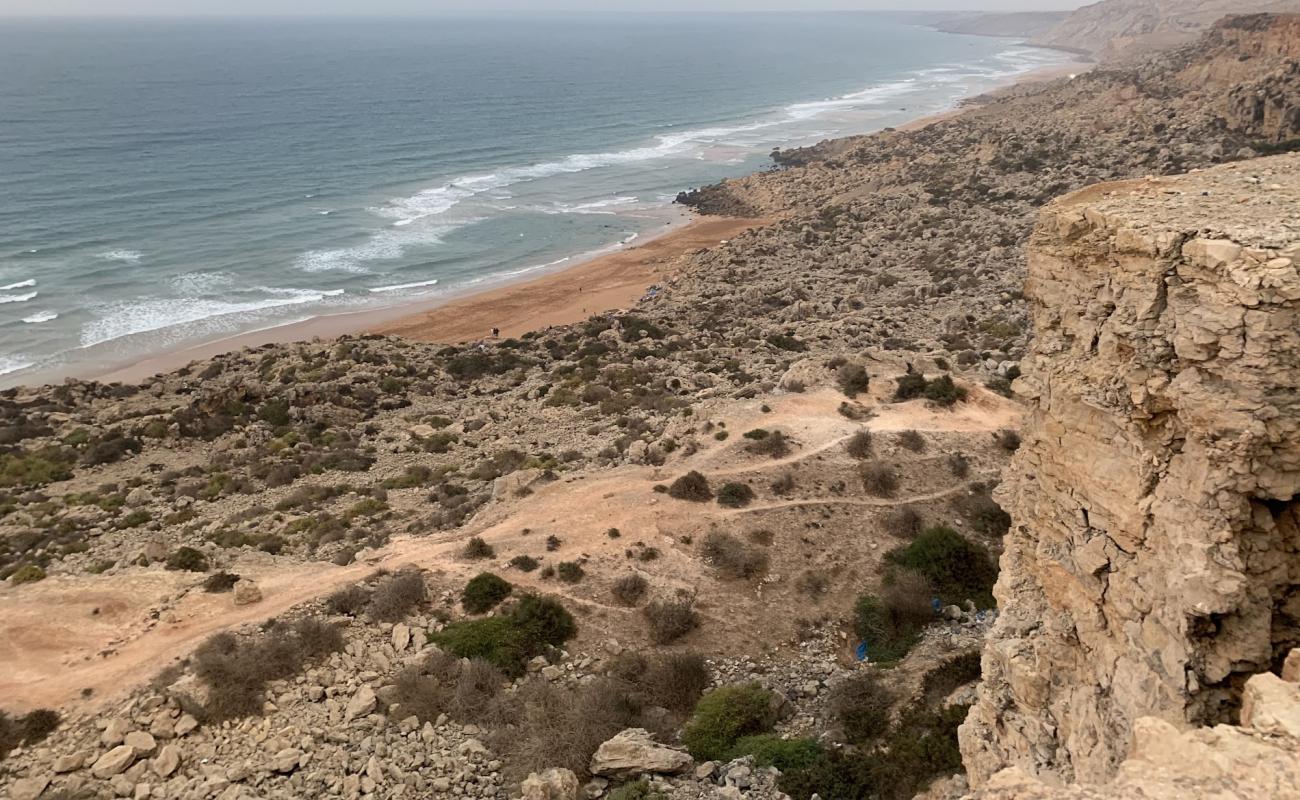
(166, 183)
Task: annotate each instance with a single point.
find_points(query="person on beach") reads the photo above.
(496, 333)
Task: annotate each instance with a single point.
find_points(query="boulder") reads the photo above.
(247, 593)
(635, 752)
(168, 760)
(142, 743)
(553, 784)
(29, 788)
(361, 704)
(114, 762)
(286, 760)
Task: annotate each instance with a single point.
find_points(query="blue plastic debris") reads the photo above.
(861, 651)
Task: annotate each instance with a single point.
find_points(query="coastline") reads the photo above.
(588, 284)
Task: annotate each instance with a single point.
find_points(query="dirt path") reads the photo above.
(109, 634)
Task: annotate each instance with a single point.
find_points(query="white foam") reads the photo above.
(126, 319)
(872, 96)
(124, 256)
(41, 316)
(10, 364)
(594, 207)
(19, 285)
(17, 298)
(400, 286)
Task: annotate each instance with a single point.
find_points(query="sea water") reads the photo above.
(164, 183)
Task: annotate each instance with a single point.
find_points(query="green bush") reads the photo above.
(770, 750)
(483, 592)
(920, 747)
(509, 640)
(735, 495)
(524, 563)
(958, 568)
(910, 386)
(188, 559)
(28, 573)
(692, 486)
(637, 790)
(726, 715)
(29, 470)
(942, 391)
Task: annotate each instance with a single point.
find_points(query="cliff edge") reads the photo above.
(1153, 566)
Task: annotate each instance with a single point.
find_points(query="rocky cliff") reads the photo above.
(1118, 29)
(1153, 565)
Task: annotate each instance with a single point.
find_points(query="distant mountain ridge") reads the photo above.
(1112, 30)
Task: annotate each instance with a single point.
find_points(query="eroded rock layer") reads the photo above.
(1154, 561)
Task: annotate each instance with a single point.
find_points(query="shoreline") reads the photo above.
(524, 302)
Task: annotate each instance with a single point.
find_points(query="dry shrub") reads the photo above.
(911, 440)
(735, 495)
(675, 681)
(859, 444)
(476, 549)
(629, 589)
(959, 465)
(775, 445)
(879, 479)
(853, 379)
(783, 485)
(563, 727)
(813, 583)
(349, 600)
(236, 670)
(1008, 440)
(861, 705)
(732, 557)
(904, 522)
(985, 515)
(466, 690)
(671, 619)
(394, 598)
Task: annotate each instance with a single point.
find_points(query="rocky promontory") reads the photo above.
(1153, 563)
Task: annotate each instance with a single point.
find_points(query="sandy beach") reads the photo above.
(591, 285)
(602, 283)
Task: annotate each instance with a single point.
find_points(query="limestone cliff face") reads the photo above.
(1154, 561)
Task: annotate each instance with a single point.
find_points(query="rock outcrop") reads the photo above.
(1153, 565)
(1257, 761)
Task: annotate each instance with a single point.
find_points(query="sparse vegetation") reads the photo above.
(733, 558)
(396, 595)
(671, 619)
(349, 601)
(859, 444)
(735, 495)
(235, 670)
(219, 582)
(570, 571)
(878, 479)
(524, 563)
(630, 589)
(476, 549)
(773, 445)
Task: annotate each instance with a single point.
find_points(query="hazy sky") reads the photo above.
(411, 7)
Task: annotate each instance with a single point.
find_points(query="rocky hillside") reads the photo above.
(1154, 560)
(378, 568)
(1114, 30)
(1027, 24)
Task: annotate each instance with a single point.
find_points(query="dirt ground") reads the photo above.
(78, 641)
